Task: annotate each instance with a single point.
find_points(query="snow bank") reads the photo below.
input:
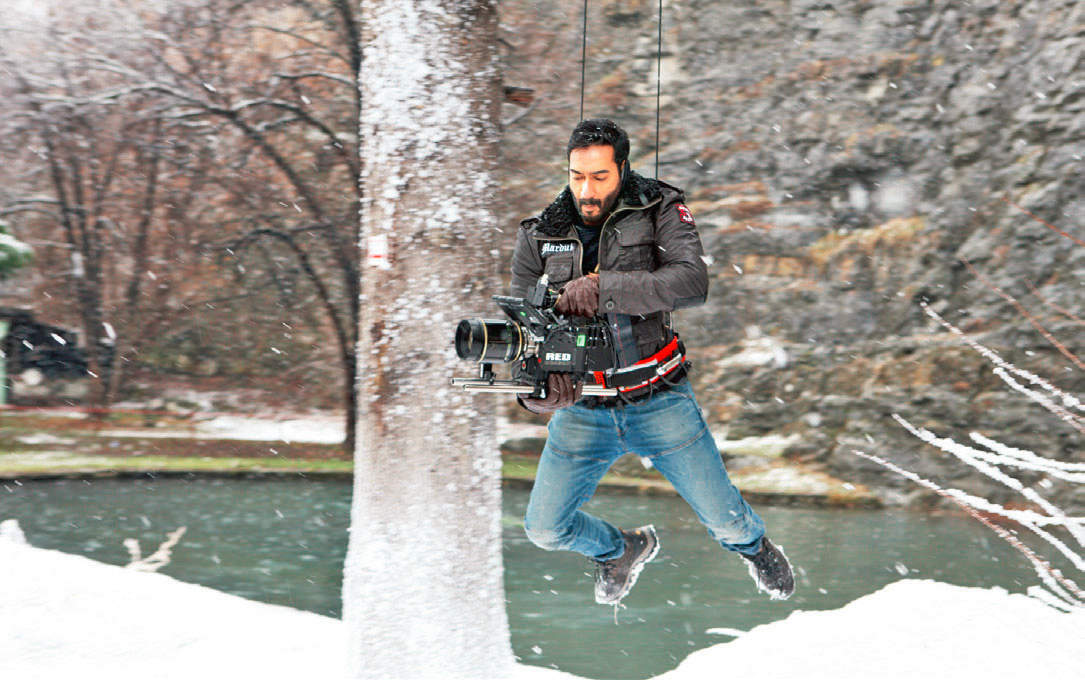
(68, 616)
(303, 429)
(312, 429)
(909, 629)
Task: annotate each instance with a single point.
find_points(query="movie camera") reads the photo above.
(537, 341)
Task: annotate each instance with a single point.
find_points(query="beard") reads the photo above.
(605, 205)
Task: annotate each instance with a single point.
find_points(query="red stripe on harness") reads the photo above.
(661, 357)
(665, 353)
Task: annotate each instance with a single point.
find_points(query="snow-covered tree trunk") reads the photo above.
(423, 593)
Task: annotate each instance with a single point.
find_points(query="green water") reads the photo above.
(283, 541)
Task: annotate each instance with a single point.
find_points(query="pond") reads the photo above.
(283, 541)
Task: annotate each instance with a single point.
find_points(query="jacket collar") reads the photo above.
(559, 218)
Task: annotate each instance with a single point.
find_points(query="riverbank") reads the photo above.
(57, 444)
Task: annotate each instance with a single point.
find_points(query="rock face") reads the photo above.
(843, 160)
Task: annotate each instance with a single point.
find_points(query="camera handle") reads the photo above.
(486, 372)
(513, 387)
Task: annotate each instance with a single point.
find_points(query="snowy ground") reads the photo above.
(65, 616)
(302, 428)
(907, 630)
(314, 429)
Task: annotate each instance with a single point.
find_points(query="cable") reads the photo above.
(583, 58)
(659, 70)
(659, 80)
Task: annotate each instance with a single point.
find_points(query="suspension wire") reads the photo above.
(583, 58)
(659, 69)
(659, 78)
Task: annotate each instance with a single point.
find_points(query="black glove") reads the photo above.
(561, 391)
(580, 297)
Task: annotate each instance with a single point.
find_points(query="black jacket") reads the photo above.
(650, 259)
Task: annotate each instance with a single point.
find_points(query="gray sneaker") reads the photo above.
(615, 578)
(771, 571)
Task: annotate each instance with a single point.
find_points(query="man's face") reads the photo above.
(594, 179)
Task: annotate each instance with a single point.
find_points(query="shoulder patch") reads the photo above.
(684, 214)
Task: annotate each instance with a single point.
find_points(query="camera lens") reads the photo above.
(488, 340)
(470, 339)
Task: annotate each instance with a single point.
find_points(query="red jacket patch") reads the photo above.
(684, 214)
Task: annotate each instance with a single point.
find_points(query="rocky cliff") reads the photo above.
(844, 160)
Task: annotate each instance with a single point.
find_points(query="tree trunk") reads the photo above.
(423, 591)
(350, 396)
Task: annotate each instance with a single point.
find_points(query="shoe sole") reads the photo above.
(638, 566)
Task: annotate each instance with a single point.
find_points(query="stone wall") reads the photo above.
(842, 160)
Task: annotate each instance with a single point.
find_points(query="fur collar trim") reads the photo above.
(561, 215)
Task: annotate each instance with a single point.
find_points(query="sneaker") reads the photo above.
(615, 578)
(771, 571)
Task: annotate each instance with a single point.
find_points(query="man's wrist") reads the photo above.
(608, 291)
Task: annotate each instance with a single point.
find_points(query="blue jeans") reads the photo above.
(667, 429)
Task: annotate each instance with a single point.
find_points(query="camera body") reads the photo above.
(578, 346)
(536, 341)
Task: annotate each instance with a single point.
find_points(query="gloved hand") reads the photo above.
(580, 297)
(561, 391)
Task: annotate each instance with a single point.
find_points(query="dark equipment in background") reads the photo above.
(31, 344)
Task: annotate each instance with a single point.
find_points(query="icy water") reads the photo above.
(283, 541)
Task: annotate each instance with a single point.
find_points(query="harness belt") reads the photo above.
(646, 371)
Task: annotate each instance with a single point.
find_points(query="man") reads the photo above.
(626, 247)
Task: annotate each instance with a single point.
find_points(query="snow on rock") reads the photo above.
(909, 629)
(767, 446)
(796, 479)
(11, 532)
(757, 351)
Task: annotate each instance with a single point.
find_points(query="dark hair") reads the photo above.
(600, 131)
